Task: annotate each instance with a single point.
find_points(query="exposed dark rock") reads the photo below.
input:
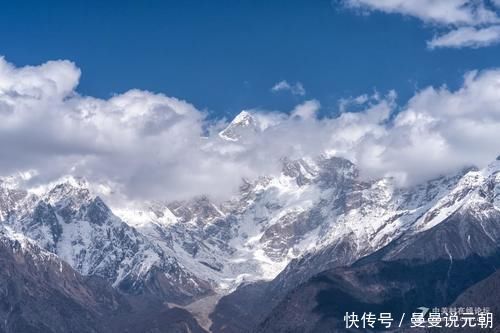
(430, 269)
(40, 293)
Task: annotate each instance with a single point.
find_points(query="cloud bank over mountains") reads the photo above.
(467, 23)
(149, 145)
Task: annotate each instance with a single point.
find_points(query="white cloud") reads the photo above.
(148, 145)
(361, 101)
(440, 131)
(296, 89)
(464, 15)
(306, 110)
(467, 37)
(54, 79)
(435, 11)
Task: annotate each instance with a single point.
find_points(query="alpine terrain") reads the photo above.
(291, 252)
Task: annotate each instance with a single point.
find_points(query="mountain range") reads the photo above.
(290, 252)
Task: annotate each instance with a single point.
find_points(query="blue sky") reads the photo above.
(130, 63)
(224, 56)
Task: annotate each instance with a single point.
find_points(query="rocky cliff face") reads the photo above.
(277, 233)
(428, 269)
(313, 206)
(41, 293)
(32, 280)
(81, 229)
(448, 221)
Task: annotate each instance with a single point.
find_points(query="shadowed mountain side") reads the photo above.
(396, 287)
(485, 293)
(39, 293)
(430, 268)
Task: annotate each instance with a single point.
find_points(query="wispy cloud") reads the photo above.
(451, 12)
(470, 23)
(467, 37)
(296, 89)
(362, 101)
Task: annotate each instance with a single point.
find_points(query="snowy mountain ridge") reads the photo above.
(185, 250)
(81, 229)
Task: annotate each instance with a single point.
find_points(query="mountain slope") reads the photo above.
(429, 269)
(277, 233)
(471, 197)
(32, 280)
(183, 250)
(312, 205)
(80, 228)
(41, 293)
(485, 293)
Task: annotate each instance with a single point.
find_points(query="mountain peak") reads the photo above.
(243, 118)
(243, 124)
(73, 188)
(76, 182)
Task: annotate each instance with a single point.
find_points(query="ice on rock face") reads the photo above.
(19, 242)
(10, 199)
(475, 193)
(496, 191)
(81, 229)
(242, 125)
(316, 205)
(247, 124)
(313, 204)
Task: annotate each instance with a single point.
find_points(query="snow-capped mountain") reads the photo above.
(241, 125)
(316, 214)
(247, 124)
(10, 198)
(80, 228)
(198, 245)
(32, 281)
(310, 206)
(449, 238)
(39, 292)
